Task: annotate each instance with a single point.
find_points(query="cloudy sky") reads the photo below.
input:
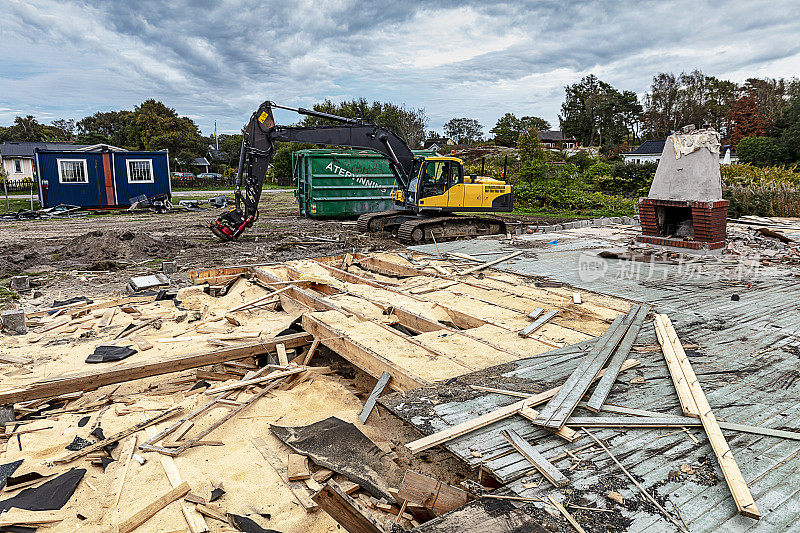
(216, 60)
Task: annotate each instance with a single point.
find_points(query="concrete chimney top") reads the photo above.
(689, 168)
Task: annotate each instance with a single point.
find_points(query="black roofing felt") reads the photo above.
(652, 146)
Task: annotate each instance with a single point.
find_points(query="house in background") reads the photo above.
(101, 176)
(555, 140)
(16, 157)
(648, 152)
(201, 164)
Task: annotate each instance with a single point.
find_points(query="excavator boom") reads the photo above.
(258, 149)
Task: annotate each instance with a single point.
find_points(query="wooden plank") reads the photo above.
(565, 432)
(256, 381)
(89, 380)
(141, 343)
(603, 388)
(565, 514)
(576, 297)
(283, 360)
(211, 512)
(57, 323)
(558, 409)
(23, 517)
(194, 520)
(118, 436)
(311, 351)
(108, 316)
(430, 493)
(347, 512)
(730, 469)
(373, 397)
(490, 263)
(361, 356)
(670, 352)
(147, 512)
(297, 467)
(125, 460)
(545, 467)
(298, 489)
(533, 315)
(688, 421)
(633, 421)
(539, 322)
(489, 418)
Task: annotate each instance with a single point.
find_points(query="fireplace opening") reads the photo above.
(675, 221)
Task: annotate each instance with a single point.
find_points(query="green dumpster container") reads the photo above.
(343, 183)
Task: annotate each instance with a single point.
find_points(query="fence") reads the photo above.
(18, 185)
(201, 183)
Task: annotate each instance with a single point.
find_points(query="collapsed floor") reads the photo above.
(445, 337)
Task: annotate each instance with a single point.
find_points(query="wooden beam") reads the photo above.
(545, 467)
(125, 456)
(89, 380)
(566, 514)
(370, 362)
(297, 467)
(490, 263)
(558, 409)
(118, 436)
(23, 517)
(256, 381)
(489, 418)
(430, 493)
(730, 469)
(147, 512)
(671, 352)
(731, 426)
(194, 520)
(603, 388)
(347, 512)
(373, 397)
(539, 322)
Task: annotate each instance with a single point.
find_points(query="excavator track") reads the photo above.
(445, 228)
(374, 222)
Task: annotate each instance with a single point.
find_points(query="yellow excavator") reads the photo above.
(428, 190)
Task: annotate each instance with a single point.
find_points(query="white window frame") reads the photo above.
(21, 166)
(128, 169)
(85, 171)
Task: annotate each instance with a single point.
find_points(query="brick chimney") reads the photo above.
(684, 207)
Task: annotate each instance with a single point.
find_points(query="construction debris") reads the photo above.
(410, 352)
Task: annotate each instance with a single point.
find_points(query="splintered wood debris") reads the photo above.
(494, 367)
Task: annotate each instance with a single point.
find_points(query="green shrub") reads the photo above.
(554, 197)
(761, 191)
(759, 151)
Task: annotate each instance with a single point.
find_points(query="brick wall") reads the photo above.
(708, 220)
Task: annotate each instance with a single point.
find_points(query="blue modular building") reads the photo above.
(101, 176)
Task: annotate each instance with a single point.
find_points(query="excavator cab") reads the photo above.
(440, 184)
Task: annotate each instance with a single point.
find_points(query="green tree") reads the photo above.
(529, 146)
(463, 130)
(408, 123)
(507, 130)
(594, 111)
(759, 151)
(787, 127)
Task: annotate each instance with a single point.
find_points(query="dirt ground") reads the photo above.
(98, 254)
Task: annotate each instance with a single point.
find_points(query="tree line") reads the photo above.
(760, 116)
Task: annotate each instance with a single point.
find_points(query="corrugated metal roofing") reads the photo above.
(748, 364)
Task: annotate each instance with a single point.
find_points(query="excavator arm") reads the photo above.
(258, 149)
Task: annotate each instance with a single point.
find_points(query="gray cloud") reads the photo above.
(215, 60)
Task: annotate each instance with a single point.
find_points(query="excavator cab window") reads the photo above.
(438, 176)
